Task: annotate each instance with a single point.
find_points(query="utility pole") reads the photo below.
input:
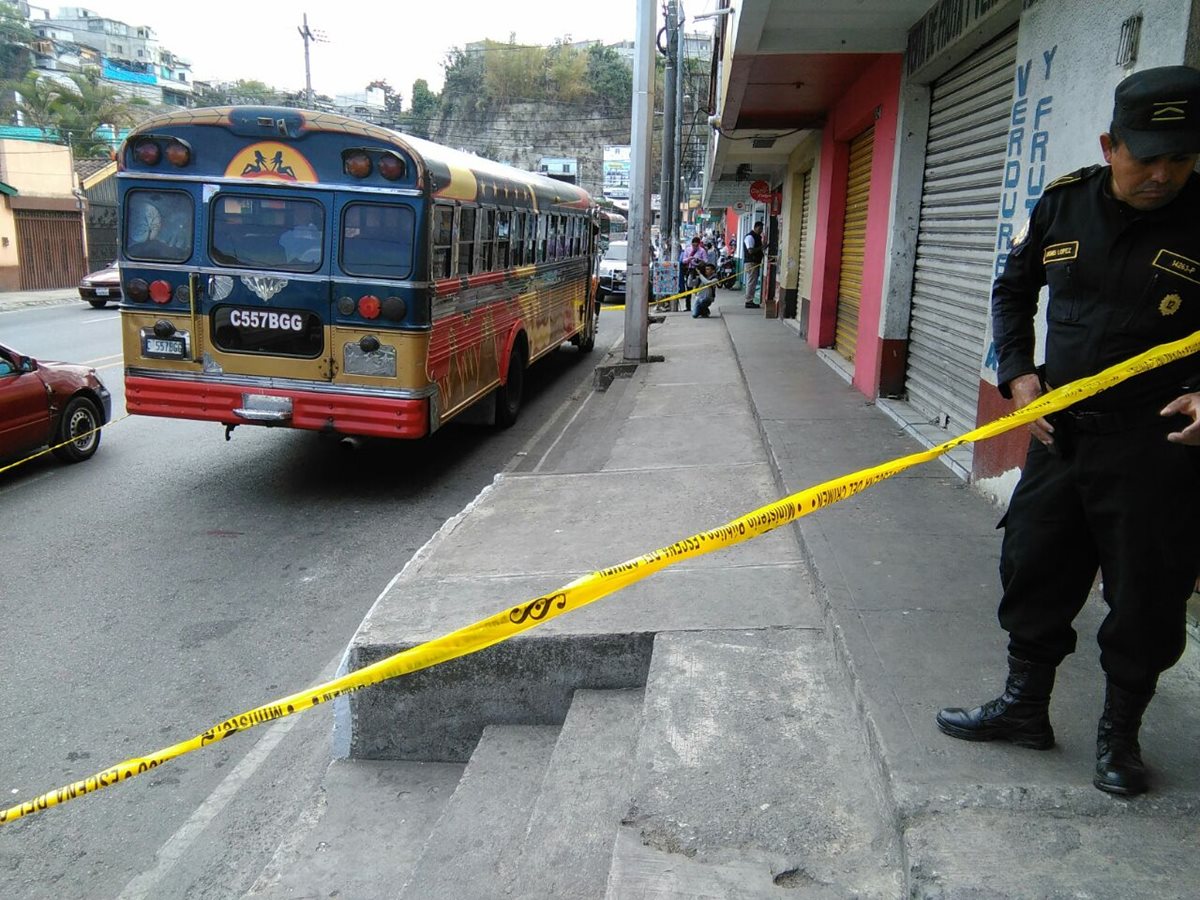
(667, 182)
(316, 37)
(677, 160)
(637, 306)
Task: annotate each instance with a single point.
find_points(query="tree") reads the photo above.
(425, 104)
(392, 100)
(15, 38)
(610, 78)
(35, 99)
(568, 73)
(80, 112)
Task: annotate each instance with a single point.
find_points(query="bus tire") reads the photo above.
(81, 417)
(508, 395)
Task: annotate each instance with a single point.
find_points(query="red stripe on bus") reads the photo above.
(311, 410)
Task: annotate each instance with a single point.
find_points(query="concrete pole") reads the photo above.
(637, 304)
(667, 203)
(680, 194)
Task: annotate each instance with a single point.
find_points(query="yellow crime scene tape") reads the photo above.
(679, 296)
(54, 447)
(516, 619)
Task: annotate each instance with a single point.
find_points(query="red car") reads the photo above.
(47, 403)
(101, 286)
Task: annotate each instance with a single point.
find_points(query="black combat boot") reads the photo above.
(1119, 767)
(1021, 715)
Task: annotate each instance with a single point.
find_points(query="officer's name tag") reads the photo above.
(1060, 252)
(1179, 265)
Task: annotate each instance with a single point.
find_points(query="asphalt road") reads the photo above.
(176, 579)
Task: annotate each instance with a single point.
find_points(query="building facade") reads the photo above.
(906, 145)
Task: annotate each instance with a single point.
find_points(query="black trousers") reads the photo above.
(1126, 503)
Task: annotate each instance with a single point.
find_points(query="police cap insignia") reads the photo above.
(1157, 111)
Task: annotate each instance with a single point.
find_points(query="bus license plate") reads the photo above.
(164, 348)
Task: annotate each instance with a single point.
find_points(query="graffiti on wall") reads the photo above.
(1025, 157)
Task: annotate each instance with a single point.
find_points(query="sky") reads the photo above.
(397, 41)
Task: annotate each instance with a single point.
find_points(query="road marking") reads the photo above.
(8, 489)
(104, 319)
(177, 845)
(99, 359)
(562, 433)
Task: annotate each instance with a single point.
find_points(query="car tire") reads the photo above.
(98, 304)
(81, 417)
(508, 395)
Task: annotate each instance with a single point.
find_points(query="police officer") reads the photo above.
(1114, 482)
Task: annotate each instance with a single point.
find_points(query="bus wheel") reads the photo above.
(508, 395)
(586, 339)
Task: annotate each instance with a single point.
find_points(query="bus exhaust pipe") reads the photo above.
(350, 442)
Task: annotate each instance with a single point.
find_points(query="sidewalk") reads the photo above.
(10, 300)
(785, 689)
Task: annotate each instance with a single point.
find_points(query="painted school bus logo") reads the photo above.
(271, 161)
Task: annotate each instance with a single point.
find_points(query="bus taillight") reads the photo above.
(160, 291)
(147, 152)
(357, 164)
(391, 166)
(394, 309)
(138, 290)
(369, 306)
(178, 154)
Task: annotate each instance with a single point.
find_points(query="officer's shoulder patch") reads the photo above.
(1071, 178)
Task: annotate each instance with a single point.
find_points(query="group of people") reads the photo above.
(698, 265)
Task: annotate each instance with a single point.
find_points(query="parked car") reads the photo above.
(101, 286)
(612, 271)
(46, 403)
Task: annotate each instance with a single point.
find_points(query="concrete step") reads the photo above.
(568, 845)
(468, 851)
(752, 776)
(362, 833)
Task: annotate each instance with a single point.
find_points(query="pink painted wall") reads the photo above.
(874, 99)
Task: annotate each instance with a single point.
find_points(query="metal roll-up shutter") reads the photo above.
(964, 170)
(805, 210)
(854, 241)
(49, 248)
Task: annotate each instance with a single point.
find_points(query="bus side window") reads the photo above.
(466, 240)
(543, 223)
(443, 240)
(503, 235)
(487, 240)
(518, 239)
(531, 227)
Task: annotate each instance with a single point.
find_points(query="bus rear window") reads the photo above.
(377, 240)
(159, 225)
(267, 233)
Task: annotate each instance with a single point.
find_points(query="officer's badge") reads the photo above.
(1170, 304)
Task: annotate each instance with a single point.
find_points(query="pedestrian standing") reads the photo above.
(1114, 483)
(753, 257)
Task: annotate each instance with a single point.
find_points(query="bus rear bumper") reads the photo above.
(338, 413)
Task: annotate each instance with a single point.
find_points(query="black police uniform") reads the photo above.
(1112, 492)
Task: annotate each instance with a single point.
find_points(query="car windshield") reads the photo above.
(616, 251)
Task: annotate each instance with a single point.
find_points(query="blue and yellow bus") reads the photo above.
(306, 270)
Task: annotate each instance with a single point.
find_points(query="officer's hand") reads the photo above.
(1025, 389)
(1188, 405)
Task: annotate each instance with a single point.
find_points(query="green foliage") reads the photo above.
(424, 107)
(496, 74)
(610, 78)
(392, 102)
(72, 113)
(15, 37)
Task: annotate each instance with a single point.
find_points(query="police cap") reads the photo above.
(1157, 111)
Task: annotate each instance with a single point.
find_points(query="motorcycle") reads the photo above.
(726, 268)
